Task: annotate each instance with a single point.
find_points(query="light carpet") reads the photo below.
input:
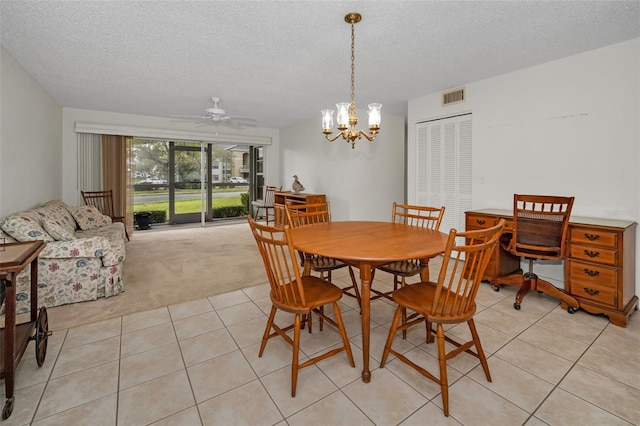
(173, 266)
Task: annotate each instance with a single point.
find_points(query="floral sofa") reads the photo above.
(83, 257)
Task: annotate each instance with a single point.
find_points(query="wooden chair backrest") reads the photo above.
(307, 214)
(102, 200)
(462, 270)
(420, 216)
(540, 224)
(269, 195)
(278, 254)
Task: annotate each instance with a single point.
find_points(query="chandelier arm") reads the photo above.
(334, 138)
(368, 136)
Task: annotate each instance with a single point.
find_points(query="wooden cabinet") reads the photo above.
(284, 197)
(599, 266)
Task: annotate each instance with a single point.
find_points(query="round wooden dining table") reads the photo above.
(367, 245)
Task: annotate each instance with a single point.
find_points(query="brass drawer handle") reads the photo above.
(591, 273)
(592, 237)
(591, 292)
(480, 221)
(592, 253)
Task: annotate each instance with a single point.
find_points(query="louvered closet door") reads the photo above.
(444, 167)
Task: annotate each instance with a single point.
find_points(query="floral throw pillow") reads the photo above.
(25, 227)
(89, 217)
(58, 231)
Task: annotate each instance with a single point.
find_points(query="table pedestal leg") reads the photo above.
(365, 292)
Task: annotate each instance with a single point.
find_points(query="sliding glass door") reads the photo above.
(188, 179)
(191, 182)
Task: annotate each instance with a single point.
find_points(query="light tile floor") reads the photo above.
(196, 363)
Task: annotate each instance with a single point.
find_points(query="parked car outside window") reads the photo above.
(238, 180)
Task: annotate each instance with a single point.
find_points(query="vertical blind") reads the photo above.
(89, 162)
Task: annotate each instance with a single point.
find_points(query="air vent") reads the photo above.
(454, 96)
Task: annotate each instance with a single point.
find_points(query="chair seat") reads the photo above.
(405, 268)
(324, 264)
(317, 292)
(419, 297)
(258, 203)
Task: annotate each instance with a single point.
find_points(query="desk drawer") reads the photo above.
(593, 254)
(592, 273)
(591, 236)
(599, 294)
(480, 221)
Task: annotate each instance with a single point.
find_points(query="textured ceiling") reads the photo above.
(280, 62)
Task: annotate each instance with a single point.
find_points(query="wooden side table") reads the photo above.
(14, 338)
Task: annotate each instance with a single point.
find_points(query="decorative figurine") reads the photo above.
(297, 186)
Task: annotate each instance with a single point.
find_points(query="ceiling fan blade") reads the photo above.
(242, 119)
(189, 116)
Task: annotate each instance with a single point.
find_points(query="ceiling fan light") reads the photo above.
(216, 111)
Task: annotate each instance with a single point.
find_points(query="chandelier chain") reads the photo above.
(353, 67)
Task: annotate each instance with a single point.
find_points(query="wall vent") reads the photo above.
(454, 96)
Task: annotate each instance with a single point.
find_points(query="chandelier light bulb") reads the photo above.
(374, 115)
(327, 120)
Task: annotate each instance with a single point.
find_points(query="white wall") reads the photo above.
(360, 183)
(567, 127)
(30, 140)
(71, 193)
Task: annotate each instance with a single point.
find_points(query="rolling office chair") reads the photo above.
(540, 224)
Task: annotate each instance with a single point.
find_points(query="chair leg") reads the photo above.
(392, 332)
(442, 360)
(524, 289)
(430, 338)
(267, 330)
(401, 283)
(550, 289)
(296, 352)
(481, 356)
(356, 291)
(343, 333)
(126, 233)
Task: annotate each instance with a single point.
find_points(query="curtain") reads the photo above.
(115, 175)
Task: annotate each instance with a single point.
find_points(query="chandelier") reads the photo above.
(346, 116)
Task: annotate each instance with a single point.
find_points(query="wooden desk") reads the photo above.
(15, 257)
(367, 245)
(283, 197)
(599, 266)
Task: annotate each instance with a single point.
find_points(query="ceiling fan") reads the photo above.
(217, 115)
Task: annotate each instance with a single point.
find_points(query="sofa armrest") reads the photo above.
(80, 247)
